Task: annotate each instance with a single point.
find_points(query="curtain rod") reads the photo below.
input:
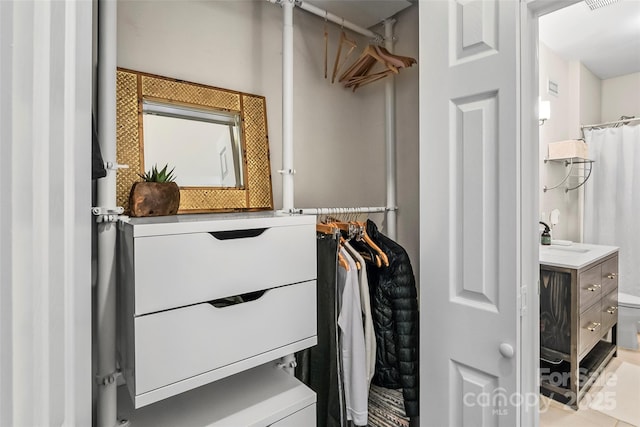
(333, 18)
(610, 123)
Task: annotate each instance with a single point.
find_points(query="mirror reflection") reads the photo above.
(204, 145)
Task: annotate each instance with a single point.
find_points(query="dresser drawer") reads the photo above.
(610, 309)
(591, 328)
(609, 275)
(179, 344)
(182, 269)
(304, 417)
(590, 287)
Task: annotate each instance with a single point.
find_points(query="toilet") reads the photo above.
(628, 320)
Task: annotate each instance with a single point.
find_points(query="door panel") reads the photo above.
(470, 205)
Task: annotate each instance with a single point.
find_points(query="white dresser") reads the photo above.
(202, 298)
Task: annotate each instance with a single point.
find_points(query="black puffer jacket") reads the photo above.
(394, 306)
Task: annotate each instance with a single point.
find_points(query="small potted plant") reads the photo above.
(157, 195)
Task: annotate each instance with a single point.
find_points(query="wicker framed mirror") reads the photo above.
(240, 178)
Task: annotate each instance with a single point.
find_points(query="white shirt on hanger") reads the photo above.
(356, 386)
(367, 319)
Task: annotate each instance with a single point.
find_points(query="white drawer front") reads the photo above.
(178, 270)
(177, 344)
(305, 417)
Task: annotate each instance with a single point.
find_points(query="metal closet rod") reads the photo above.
(333, 18)
(337, 211)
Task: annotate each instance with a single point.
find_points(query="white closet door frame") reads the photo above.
(45, 216)
(530, 166)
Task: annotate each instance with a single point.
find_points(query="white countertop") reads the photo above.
(577, 255)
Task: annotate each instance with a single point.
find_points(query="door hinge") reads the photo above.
(523, 300)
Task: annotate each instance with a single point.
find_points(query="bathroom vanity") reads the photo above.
(578, 317)
(207, 304)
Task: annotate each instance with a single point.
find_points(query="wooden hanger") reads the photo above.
(398, 60)
(357, 82)
(368, 241)
(326, 45)
(355, 229)
(349, 249)
(352, 45)
(359, 73)
(368, 58)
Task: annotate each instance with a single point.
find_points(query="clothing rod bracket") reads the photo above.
(108, 378)
(107, 214)
(290, 365)
(115, 166)
(287, 171)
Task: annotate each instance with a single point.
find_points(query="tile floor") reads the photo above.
(554, 414)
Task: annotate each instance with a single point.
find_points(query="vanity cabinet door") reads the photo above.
(555, 310)
(590, 287)
(590, 328)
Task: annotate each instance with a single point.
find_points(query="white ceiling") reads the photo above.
(364, 13)
(606, 40)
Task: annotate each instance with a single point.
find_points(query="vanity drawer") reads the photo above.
(610, 309)
(591, 328)
(590, 287)
(609, 274)
(186, 342)
(182, 269)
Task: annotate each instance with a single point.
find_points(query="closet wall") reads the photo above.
(338, 134)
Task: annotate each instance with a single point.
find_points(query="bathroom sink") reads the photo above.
(568, 249)
(577, 256)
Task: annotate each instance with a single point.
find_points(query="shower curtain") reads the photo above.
(612, 198)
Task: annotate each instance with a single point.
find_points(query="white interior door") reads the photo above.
(470, 207)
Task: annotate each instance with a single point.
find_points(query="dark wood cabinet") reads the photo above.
(578, 318)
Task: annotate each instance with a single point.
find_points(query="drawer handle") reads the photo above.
(237, 299)
(237, 234)
(593, 288)
(612, 309)
(612, 275)
(593, 326)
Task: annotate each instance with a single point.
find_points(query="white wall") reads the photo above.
(621, 97)
(338, 134)
(577, 103)
(562, 125)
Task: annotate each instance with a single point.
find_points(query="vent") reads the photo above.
(597, 4)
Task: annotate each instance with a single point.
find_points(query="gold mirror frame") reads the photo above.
(132, 86)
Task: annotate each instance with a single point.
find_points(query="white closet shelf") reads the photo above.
(587, 165)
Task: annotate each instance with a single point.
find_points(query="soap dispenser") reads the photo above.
(545, 239)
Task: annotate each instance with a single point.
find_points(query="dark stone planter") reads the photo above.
(154, 198)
